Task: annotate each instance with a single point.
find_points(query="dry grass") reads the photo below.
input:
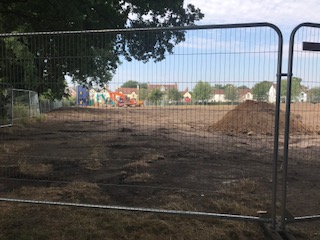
(30, 120)
(139, 177)
(34, 169)
(52, 222)
(72, 192)
(138, 164)
(9, 148)
(40, 222)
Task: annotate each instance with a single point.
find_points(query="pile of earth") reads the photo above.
(253, 117)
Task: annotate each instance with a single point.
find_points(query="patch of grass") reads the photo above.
(25, 121)
(72, 192)
(139, 177)
(138, 164)
(34, 169)
(13, 148)
(52, 222)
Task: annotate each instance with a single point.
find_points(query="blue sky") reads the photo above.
(239, 57)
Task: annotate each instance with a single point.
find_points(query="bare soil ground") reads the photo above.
(156, 157)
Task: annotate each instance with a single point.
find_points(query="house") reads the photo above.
(186, 95)
(272, 93)
(218, 96)
(129, 92)
(245, 94)
(162, 87)
(303, 97)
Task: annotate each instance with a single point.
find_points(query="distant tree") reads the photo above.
(130, 84)
(202, 91)
(155, 96)
(218, 86)
(243, 87)
(134, 84)
(231, 92)
(260, 90)
(174, 94)
(143, 94)
(143, 85)
(295, 87)
(314, 95)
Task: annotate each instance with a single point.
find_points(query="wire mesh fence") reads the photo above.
(47, 105)
(195, 132)
(5, 105)
(303, 147)
(25, 104)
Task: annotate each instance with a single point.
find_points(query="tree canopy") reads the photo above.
(134, 84)
(295, 87)
(155, 95)
(41, 63)
(174, 94)
(314, 95)
(202, 91)
(260, 90)
(231, 92)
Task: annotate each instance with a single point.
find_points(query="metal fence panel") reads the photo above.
(25, 104)
(5, 105)
(47, 105)
(301, 149)
(198, 153)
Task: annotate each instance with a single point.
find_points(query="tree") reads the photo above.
(231, 92)
(243, 87)
(143, 94)
(174, 94)
(4, 104)
(314, 95)
(295, 87)
(202, 91)
(49, 60)
(130, 84)
(260, 90)
(134, 84)
(155, 96)
(218, 86)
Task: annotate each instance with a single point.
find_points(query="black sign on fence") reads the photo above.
(311, 46)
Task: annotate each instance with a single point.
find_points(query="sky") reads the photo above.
(236, 56)
(286, 14)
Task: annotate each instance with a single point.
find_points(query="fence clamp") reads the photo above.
(284, 75)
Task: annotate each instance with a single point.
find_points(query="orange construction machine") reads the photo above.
(120, 100)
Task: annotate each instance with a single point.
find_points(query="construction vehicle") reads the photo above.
(117, 99)
(120, 100)
(139, 103)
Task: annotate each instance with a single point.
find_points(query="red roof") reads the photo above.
(185, 91)
(219, 91)
(244, 91)
(165, 86)
(126, 90)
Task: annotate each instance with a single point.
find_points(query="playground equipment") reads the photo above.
(117, 99)
(82, 96)
(102, 98)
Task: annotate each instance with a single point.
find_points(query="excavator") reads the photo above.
(120, 100)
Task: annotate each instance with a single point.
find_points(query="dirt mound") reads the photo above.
(253, 117)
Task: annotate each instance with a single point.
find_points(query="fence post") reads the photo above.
(29, 95)
(11, 120)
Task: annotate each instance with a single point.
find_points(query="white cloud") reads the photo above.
(286, 14)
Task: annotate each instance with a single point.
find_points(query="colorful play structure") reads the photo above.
(104, 98)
